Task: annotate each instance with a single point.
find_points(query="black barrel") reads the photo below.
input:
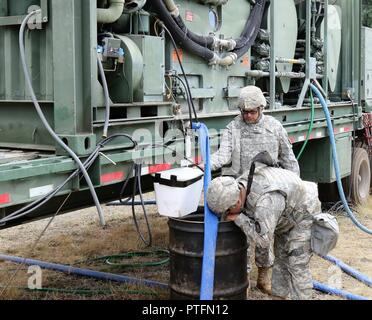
(186, 242)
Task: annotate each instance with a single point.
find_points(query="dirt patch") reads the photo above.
(74, 238)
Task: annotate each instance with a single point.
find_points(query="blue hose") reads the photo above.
(349, 270)
(335, 161)
(210, 220)
(85, 272)
(154, 284)
(324, 288)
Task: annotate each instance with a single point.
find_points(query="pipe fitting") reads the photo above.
(214, 60)
(229, 44)
(226, 61)
(112, 13)
(229, 60)
(172, 8)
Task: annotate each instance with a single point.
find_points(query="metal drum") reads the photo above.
(186, 239)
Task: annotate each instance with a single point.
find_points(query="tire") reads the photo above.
(360, 176)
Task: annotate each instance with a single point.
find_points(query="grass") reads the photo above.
(77, 236)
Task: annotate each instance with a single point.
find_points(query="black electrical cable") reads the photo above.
(137, 168)
(182, 69)
(90, 160)
(138, 187)
(187, 96)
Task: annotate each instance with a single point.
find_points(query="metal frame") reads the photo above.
(17, 20)
(77, 94)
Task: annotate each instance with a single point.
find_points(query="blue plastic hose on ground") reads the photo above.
(85, 272)
(210, 220)
(149, 283)
(335, 161)
(324, 288)
(349, 270)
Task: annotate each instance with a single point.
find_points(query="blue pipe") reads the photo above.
(210, 220)
(150, 283)
(85, 272)
(324, 288)
(349, 270)
(335, 161)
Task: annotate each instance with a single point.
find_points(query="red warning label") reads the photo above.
(189, 16)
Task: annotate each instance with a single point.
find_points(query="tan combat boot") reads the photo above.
(263, 280)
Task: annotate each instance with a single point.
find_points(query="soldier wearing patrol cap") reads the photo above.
(248, 134)
(279, 208)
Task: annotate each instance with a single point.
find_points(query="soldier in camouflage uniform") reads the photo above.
(248, 134)
(282, 207)
(253, 132)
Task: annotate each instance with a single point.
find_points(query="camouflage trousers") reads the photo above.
(289, 248)
(263, 257)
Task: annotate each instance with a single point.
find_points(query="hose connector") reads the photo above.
(172, 8)
(214, 60)
(226, 61)
(229, 44)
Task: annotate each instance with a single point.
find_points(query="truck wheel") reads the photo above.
(360, 176)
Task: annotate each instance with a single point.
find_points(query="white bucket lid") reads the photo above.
(182, 174)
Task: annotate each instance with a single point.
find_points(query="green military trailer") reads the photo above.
(113, 83)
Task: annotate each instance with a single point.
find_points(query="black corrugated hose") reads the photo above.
(205, 41)
(249, 35)
(243, 44)
(179, 35)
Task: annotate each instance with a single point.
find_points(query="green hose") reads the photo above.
(87, 292)
(311, 127)
(111, 258)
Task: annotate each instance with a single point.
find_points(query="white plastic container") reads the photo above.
(178, 191)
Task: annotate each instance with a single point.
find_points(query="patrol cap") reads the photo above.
(251, 98)
(223, 193)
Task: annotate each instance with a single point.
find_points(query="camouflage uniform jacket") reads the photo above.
(241, 142)
(301, 197)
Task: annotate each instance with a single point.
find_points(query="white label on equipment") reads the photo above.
(41, 191)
